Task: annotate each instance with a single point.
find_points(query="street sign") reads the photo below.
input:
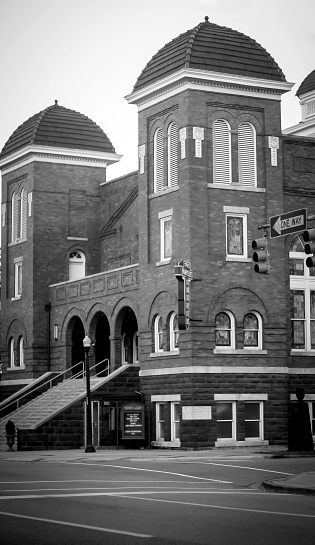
(290, 222)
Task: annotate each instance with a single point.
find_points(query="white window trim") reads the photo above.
(233, 438)
(123, 350)
(158, 159)
(225, 348)
(11, 354)
(242, 179)
(305, 283)
(157, 321)
(172, 155)
(18, 270)
(159, 422)
(218, 172)
(260, 436)
(260, 332)
(244, 255)
(174, 422)
(166, 215)
(172, 333)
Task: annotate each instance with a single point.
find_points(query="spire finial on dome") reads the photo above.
(206, 18)
(56, 102)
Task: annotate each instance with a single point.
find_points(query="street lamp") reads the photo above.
(89, 446)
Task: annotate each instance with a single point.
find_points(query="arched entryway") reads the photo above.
(128, 325)
(77, 334)
(102, 343)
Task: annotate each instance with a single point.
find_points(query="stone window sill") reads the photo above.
(165, 353)
(164, 262)
(240, 352)
(166, 444)
(17, 298)
(246, 443)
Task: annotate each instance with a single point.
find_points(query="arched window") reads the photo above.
(158, 160)
(252, 331)
(76, 265)
(14, 216)
(11, 353)
(225, 330)
(247, 170)
(222, 163)
(302, 291)
(23, 214)
(158, 334)
(20, 353)
(174, 333)
(172, 166)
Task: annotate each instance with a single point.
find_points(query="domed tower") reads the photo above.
(52, 167)
(306, 94)
(210, 172)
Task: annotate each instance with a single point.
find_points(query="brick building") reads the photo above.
(84, 256)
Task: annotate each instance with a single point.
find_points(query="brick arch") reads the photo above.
(74, 312)
(239, 301)
(16, 329)
(249, 117)
(96, 309)
(163, 303)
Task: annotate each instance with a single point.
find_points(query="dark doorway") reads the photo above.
(77, 356)
(129, 329)
(102, 345)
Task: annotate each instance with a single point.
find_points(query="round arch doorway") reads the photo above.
(77, 348)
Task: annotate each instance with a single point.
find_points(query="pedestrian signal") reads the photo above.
(309, 247)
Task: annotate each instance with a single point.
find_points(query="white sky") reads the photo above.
(87, 54)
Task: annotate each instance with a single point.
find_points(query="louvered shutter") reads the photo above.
(247, 155)
(172, 155)
(14, 216)
(222, 173)
(23, 213)
(158, 161)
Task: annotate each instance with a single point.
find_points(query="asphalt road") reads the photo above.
(195, 500)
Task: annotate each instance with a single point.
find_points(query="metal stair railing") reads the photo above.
(41, 400)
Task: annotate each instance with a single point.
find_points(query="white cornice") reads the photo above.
(49, 154)
(216, 82)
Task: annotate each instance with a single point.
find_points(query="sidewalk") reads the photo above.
(303, 483)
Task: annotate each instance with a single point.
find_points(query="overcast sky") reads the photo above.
(87, 54)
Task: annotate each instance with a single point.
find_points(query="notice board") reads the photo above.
(132, 423)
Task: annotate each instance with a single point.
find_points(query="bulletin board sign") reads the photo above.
(132, 424)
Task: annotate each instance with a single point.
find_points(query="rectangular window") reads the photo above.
(165, 235)
(160, 421)
(18, 279)
(253, 420)
(226, 420)
(298, 318)
(311, 406)
(236, 233)
(175, 424)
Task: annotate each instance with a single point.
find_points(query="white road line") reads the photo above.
(149, 470)
(92, 488)
(238, 467)
(133, 493)
(97, 528)
(259, 511)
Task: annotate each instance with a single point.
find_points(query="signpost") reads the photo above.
(184, 275)
(290, 222)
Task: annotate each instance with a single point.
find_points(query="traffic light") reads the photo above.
(261, 256)
(309, 247)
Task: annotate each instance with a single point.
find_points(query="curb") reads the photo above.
(270, 486)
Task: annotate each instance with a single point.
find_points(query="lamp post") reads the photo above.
(89, 446)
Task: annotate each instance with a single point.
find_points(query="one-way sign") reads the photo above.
(290, 222)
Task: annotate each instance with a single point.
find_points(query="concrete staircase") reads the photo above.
(51, 403)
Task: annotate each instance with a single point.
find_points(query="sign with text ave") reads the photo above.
(290, 222)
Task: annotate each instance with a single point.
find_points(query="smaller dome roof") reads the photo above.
(212, 48)
(60, 127)
(307, 85)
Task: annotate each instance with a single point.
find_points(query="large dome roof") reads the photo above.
(60, 127)
(212, 48)
(307, 85)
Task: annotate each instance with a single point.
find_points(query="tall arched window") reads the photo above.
(302, 290)
(11, 353)
(76, 265)
(172, 145)
(158, 334)
(174, 332)
(222, 162)
(135, 347)
(158, 160)
(225, 330)
(23, 214)
(252, 331)
(247, 169)
(20, 362)
(14, 216)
